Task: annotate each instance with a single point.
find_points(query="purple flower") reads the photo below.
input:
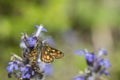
(23, 67)
(106, 72)
(32, 41)
(102, 52)
(97, 64)
(12, 66)
(105, 63)
(90, 57)
(80, 52)
(27, 72)
(48, 69)
(50, 41)
(79, 78)
(42, 28)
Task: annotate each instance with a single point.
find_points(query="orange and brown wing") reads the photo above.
(45, 55)
(33, 55)
(55, 53)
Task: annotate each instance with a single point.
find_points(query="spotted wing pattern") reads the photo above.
(48, 54)
(33, 55)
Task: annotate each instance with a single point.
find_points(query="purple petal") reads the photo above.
(80, 52)
(48, 69)
(105, 63)
(90, 57)
(106, 72)
(43, 29)
(50, 41)
(27, 71)
(91, 78)
(33, 72)
(16, 67)
(32, 41)
(9, 69)
(79, 78)
(103, 51)
(12, 66)
(22, 69)
(10, 63)
(28, 76)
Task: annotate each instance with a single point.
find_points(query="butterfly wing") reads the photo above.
(55, 53)
(33, 55)
(48, 54)
(45, 55)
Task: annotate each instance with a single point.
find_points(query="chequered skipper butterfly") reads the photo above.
(47, 53)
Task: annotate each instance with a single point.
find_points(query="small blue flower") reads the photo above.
(90, 57)
(103, 51)
(106, 72)
(80, 52)
(43, 29)
(12, 66)
(90, 78)
(48, 69)
(32, 41)
(97, 64)
(27, 72)
(79, 78)
(105, 63)
(50, 41)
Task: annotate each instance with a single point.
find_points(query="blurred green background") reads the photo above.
(73, 24)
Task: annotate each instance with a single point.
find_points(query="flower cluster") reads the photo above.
(22, 67)
(97, 65)
(31, 65)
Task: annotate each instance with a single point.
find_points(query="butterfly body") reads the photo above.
(33, 56)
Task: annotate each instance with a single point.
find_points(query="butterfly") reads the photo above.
(47, 53)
